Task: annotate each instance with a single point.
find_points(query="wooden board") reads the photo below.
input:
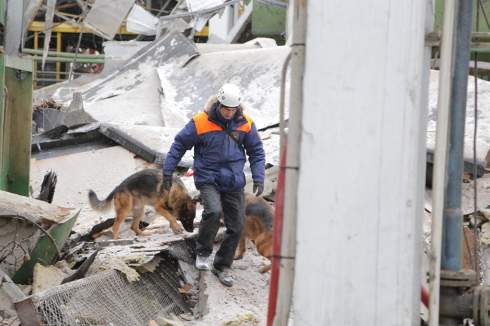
(34, 210)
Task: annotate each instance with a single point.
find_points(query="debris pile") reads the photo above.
(95, 134)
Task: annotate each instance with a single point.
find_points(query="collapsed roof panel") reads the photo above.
(129, 93)
(141, 21)
(134, 70)
(138, 105)
(105, 16)
(256, 72)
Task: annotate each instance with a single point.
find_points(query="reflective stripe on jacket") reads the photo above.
(218, 159)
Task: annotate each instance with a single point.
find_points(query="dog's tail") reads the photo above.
(100, 205)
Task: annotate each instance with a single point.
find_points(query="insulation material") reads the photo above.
(47, 277)
(118, 264)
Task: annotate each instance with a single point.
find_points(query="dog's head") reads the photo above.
(187, 214)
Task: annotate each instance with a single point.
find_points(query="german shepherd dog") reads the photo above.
(259, 216)
(145, 188)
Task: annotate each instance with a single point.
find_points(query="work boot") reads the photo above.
(224, 276)
(202, 263)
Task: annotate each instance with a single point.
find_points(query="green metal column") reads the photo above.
(15, 123)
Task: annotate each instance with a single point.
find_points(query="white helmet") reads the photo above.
(230, 95)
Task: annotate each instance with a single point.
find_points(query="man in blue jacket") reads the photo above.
(221, 136)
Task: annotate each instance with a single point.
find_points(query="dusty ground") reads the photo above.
(249, 293)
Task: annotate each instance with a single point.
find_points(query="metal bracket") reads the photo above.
(433, 39)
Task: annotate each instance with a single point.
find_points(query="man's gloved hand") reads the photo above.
(259, 187)
(167, 182)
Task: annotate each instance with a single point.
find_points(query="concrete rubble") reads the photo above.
(124, 121)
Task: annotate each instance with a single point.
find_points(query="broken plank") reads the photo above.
(32, 209)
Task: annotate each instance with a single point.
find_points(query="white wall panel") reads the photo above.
(362, 164)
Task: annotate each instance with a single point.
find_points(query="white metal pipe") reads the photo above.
(440, 159)
(282, 134)
(288, 243)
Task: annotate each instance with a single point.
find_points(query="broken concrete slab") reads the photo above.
(75, 114)
(120, 88)
(62, 136)
(138, 105)
(134, 82)
(135, 70)
(152, 143)
(125, 140)
(188, 88)
(117, 52)
(149, 142)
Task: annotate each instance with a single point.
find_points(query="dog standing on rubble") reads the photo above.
(259, 217)
(145, 188)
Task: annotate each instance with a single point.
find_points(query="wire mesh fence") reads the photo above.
(109, 299)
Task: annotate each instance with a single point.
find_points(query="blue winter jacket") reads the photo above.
(218, 159)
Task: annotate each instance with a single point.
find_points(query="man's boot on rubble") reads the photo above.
(202, 263)
(224, 276)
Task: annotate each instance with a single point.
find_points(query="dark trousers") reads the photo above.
(233, 205)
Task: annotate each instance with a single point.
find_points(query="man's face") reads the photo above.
(227, 112)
